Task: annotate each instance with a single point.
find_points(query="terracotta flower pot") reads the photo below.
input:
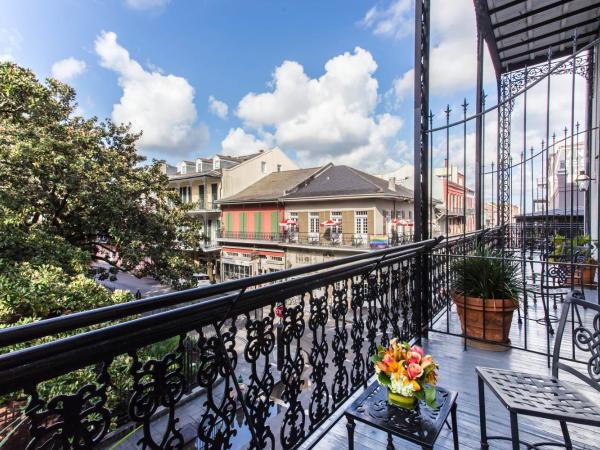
(588, 274)
(490, 319)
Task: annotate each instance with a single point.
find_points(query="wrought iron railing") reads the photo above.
(328, 239)
(319, 323)
(251, 235)
(353, 240)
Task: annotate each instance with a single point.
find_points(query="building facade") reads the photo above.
(202, 184)
(457, 201)
(294, 218)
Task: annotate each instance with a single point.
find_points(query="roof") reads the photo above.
(335, 181)
(272, 186)
(241, 158)
(520, 32)
(206, 173)
(553, 213)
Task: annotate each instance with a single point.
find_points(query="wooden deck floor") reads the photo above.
(457, 372)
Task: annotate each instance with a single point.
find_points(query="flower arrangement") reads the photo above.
(407, 372)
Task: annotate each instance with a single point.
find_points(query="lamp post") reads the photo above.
(583, 183)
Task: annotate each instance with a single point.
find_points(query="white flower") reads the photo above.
(399, 386)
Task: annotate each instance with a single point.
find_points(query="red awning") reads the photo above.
(400, 222)
(331, 223)
(286, 222)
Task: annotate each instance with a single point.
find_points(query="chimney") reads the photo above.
(392, 184)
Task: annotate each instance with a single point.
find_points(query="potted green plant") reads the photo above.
(486, 290)
(584, 249)
(581, 247)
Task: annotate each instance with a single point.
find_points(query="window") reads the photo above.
(276, 258)
(361, 222)
(216, 163)
(278, 167)
(201, 196)
(263, 167)
(402, 214)
(336, 216)
(313, 222)
(213, 194)
(185, 193)
(410, 215)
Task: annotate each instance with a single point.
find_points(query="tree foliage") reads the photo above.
(75, 190)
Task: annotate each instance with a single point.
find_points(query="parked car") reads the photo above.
(201, 279)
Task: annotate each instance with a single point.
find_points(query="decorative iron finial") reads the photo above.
(464, 105)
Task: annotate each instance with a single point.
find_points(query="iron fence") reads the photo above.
(319, 323)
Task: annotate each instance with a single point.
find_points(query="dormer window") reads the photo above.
(183, 168)
(263, 167)
(216, 163)
(198, 166)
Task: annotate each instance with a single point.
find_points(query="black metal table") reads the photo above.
(421, 425)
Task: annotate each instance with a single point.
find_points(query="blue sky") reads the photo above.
(157, 62)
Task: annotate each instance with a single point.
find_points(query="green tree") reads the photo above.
(75, 190)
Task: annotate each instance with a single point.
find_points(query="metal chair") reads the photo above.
(548, 397)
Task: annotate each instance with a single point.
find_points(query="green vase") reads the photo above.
(401, 401)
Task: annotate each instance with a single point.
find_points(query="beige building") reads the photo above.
(204, 181)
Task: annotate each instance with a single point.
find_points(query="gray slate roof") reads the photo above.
(272, 186)
(347, 181)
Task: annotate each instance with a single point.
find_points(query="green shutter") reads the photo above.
(229, 221)
(274, 224)
(258, 223)
(243, 222)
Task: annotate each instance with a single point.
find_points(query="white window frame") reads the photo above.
(313, 226)
(336, 215)
(263, 166)
(361, 223)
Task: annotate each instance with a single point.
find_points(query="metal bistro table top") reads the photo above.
(420, 425)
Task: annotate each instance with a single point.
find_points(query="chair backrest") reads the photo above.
(585, 338)
(554, 276)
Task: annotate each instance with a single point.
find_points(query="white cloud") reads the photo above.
(146, 4)
(453, 45)
(162, 106)
(217, 107)
(391, 21)
(10, 43)
(402, 87)
(238, 142)
(330, 118)
(67, 69)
